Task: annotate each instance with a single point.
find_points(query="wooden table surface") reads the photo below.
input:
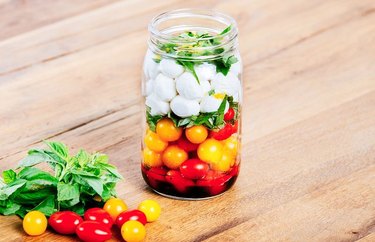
(70, 71)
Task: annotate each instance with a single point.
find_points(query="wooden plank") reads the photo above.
(20, 16)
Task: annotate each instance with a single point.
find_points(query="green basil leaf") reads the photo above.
(152, 120)
(226, 30)
(10, 209)
(35, 157)
(58, 148)
(189, 65)
(11, 188)
(82, 158)
(9, 176)
(47, 206)
(95, 183)
(220, 117)
(67, 192)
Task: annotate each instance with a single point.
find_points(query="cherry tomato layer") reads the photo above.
(65, 222)
(194, 169)
(223, 133)
(167, 131)
(135, 215)
(92, 231)
(186, 145)
(98, 215)
(229, 115)
(180, 183)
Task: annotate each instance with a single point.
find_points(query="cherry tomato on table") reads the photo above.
(115, 206)
(196, 134)
(167, 131)
(229, 115)
(34, 223)
(135, 215)
(92, 231)
(151, 209)
(133, 231)
(98, 215)
(65, 222)
(194, 169)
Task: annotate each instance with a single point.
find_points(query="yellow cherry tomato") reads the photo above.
(174, 156)
(34, 223)
(151, 209)
(151, 158)
(225, 163)
(210, 151)
(133, 231)
(231, 145)
(167, 131)
(153, 142)
(196, 134)
(115, 206)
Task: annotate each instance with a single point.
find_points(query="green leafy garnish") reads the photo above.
(152, 120)
(188, 46)
(78, 182)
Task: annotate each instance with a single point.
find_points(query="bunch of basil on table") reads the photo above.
(77, 183)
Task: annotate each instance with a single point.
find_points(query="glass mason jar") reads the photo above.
(192, 97)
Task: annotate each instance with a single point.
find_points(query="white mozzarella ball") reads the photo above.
(150, 67)
(211, 104)
(236, 68)
(228, 84)
(147, 87)
(206, 86)
(157, 106)
(170, 68)
(183, 107)
(188, 87)
(205, 71)
(164, 87)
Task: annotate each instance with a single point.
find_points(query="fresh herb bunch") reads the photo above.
(213, 120)
(186, 52)
(80, 181)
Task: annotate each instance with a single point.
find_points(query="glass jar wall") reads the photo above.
(192, 92)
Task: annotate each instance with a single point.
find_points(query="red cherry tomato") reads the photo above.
(235, 127)
(194, 169)
(186, 145)
(65, 222)
(229, 115)
(98, 215)
(223, 133)
(131, 215)
(156, 175)
(92, 231)
(180, 183)
(215, 186)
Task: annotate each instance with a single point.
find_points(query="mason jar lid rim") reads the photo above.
(191, 12)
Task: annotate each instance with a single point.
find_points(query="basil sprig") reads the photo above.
(78, 182)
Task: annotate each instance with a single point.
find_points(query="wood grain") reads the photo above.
(308, 171)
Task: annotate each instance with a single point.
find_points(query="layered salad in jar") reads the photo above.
(191, 141)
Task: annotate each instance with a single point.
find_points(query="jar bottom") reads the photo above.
(195, 192)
